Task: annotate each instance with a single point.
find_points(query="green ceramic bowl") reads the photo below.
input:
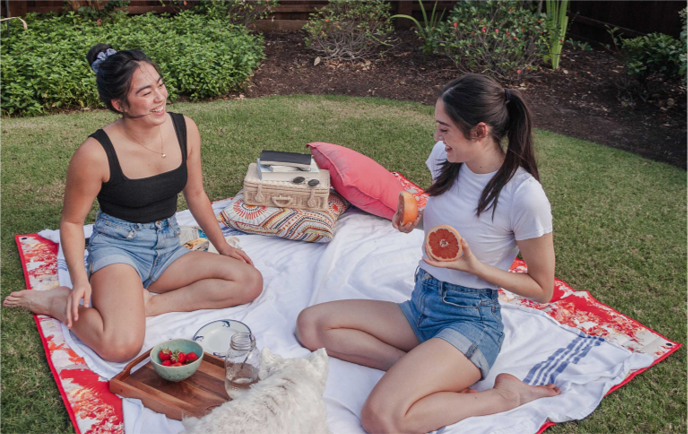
(176, 373)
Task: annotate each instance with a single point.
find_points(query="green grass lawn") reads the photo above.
(619, 225)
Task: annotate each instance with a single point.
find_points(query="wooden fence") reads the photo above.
(634, 18)
(590, 18)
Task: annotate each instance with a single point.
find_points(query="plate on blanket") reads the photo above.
(215, 336)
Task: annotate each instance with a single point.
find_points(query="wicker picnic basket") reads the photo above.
(282, 194)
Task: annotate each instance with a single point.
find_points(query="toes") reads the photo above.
(552, 389)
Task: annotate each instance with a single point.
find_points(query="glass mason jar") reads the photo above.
(242, 364)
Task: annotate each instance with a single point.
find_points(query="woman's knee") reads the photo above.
(307, 331)
(377, 417)
(120, 347)
(253, 284)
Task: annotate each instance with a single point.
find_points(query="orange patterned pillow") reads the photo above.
(292, 224)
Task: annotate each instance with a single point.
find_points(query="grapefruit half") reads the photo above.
(408, 207)
(443, 244)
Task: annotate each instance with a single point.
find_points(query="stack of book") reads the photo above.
(286, 166)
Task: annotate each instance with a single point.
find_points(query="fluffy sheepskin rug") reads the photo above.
(286, 400)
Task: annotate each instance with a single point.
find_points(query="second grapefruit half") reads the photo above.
(443, 244)
(408, 207)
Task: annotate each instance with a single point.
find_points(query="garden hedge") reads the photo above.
(44, 68)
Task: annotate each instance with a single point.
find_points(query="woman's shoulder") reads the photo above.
(523, 180)
(90, 152)
(525, 190)
(190, 124)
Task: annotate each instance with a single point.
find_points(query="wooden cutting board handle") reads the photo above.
(127, 370)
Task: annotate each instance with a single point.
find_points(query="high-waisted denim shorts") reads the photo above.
(148, 247)
(469, 319)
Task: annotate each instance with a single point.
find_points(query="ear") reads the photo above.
(268, 363)
(480, 131)
(117, 104)
(319, 361)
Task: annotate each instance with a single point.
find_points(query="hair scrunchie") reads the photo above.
(507, 95)
(100, 58)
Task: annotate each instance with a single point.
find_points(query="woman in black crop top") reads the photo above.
(136, 167)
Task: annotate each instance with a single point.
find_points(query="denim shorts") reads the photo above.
(469, 319)
(148, 247)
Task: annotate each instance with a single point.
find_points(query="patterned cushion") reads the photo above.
(292, 224)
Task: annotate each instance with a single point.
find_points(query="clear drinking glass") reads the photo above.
(242, 364)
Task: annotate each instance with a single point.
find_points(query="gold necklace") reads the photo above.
(162, 154)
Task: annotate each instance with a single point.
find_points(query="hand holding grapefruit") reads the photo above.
(443, 244)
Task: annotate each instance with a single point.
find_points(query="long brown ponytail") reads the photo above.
(472, 99)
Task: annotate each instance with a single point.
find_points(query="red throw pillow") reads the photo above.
(361, 180)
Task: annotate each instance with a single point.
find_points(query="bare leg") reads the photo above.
(367, 332)
(52, 302)
(418, 394)
(114, 327)
(202, 280)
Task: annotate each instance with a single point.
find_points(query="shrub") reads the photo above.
(499, 38)
(649, 61)
(239, 12)
(427, 31)
(349, 29)
(556, 15)
(651, 55)
(95, 9)
(44, 67)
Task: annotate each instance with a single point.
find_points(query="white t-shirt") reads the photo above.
(523, 212)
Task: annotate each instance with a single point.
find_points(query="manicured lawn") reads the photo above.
(620, 228)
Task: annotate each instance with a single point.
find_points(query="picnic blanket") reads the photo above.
(583, 346)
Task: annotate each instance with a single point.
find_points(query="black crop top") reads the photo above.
(142, 200)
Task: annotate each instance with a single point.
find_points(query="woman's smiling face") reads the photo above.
(147, 95)
(459, 148)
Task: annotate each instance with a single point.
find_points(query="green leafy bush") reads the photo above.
(95, 9)
(239, 12)
(426, 32)
(653, 54)
(349, 29)
(44, 68)
(649, 62)
(499, 38)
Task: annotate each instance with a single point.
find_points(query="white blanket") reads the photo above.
(368, 259)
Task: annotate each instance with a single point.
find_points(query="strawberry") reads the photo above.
(177, 364)
(191, 357)
(167, 362)
(165, 354)
(178, 357)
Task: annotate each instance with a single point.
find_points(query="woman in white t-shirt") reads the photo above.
(446, 338)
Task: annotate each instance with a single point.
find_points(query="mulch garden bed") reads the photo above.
(578, 100)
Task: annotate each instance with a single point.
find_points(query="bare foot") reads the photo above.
(52, 302)
(468, 390)
(519, 393)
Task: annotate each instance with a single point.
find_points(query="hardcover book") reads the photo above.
(290, 159)
(285, 173)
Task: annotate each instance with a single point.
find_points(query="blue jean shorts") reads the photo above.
(148, 247)
(469, 319)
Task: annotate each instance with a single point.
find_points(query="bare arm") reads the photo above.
(197, 199)
(87, 171)
(537, 284)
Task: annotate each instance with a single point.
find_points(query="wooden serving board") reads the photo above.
(196, 396)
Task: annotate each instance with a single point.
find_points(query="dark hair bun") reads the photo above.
(92, 54)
